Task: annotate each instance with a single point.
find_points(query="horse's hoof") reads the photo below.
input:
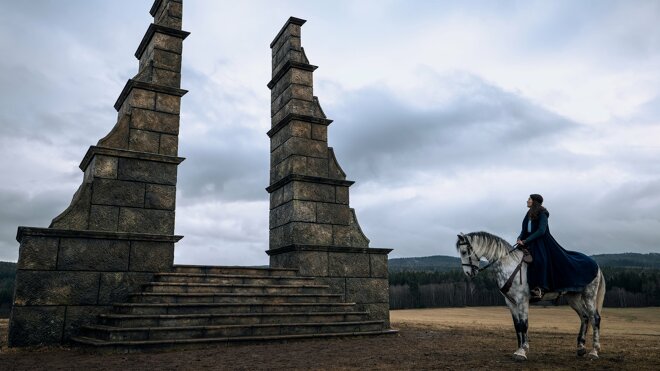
(581, 352)
(519, 357)
(593, 356)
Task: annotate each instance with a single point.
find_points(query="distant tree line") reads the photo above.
(626, 287)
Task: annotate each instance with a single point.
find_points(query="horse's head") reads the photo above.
(469, 260)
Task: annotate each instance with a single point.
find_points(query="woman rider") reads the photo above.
(553, 268)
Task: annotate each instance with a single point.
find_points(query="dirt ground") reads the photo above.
(429, 339)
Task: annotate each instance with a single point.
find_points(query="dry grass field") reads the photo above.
(429, 339)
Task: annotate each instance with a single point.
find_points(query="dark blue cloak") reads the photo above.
(554, 269)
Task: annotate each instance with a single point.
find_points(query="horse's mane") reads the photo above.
(489, 245)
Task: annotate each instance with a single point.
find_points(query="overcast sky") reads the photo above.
(447, 116)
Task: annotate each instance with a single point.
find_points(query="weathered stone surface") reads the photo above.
(341, 195)
(30, 326)
(118, 136)
(103, 218)
(295, 106)
(287, 55)
(147, 171)
(299, 146)
(292, 31)
(292, 76)
(141, 98)
(309, 263)
(118, 193)
(78, 316)
(332, 213)
(294, 128)
(337, 285)
(76, 216)
(320, 132)
(116, 286)
(155, 121)
(310, 233)
(38, 253)
(93, 254)
(334, 170)
(166, 42)
(168, 103)
(316, 167)
(143, 141)
(378, 265)
(367, 290)
(55, 288)
(169, 14)
(160, 197)
(302, 211)
(312, 191)
(146, 221)
(341, 235)
(169, 145)
(166, 77)
(151, 256)
(377, 312)
(104, 166)
(348, 264)
(293, 91)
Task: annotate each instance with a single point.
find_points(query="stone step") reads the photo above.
(225, 308)
(184, 287)
(180, 344)
(158, 297)
(235, 270)
(109, 333)
(169, 320)
(231, 279)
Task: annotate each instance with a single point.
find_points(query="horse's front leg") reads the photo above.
(520, 323)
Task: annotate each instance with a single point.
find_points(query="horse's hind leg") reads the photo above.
(595, 325)
(578, 306)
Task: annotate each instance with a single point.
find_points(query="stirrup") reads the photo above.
(537, 293)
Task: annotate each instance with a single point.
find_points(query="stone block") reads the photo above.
(292, 31)
(292, 92)
(341, 195)
(285, 55)
(367, 290)
(166, 42)
(378, 265)
(311, 234)
(40, 325)
(279, 236)
(341, 235)
(348, 264)
(105, 166)
(277, 198)
(309, 263)
(294, 128)
(291, 165)
(78, 316)
(333, 213)
(146, 221)
(336, 285)
(39, 253)
(292, 76)
(116, 286)
(93, 254)
(299, 146)
(149, 256)
(155, 121)
(56, 288)
(377, 312)
(147, 171)
(285, 47)
(316, 167)
(166, 77)
(141, 98)
(302, 211)
(169, 145)
(160, 197)
(114, 192)
(143, 141)
(320, 132)
(293, 106)
(76, 215)
(168, 103)
(118, 136)
(166, 60)
(312, 191)
(103, 218)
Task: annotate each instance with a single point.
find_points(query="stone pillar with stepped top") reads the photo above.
(119, 228)
(312, 227)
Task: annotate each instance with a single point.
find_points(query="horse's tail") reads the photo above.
(600, 294)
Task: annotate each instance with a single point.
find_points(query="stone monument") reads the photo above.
(119, 227)
(312, 227)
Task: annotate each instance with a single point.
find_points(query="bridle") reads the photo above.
(463, 241)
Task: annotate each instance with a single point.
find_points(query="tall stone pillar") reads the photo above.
(312, 226)
(119, 227)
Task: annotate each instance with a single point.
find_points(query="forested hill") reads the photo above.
(442, 263)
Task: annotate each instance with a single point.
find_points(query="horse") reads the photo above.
(511, 275)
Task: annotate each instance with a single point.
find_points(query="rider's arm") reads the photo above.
(543, 226)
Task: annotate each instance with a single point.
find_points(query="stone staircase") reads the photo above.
(196, 305)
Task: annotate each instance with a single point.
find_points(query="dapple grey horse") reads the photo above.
(506, 260)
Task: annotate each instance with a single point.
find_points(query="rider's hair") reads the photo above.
(535, 210)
